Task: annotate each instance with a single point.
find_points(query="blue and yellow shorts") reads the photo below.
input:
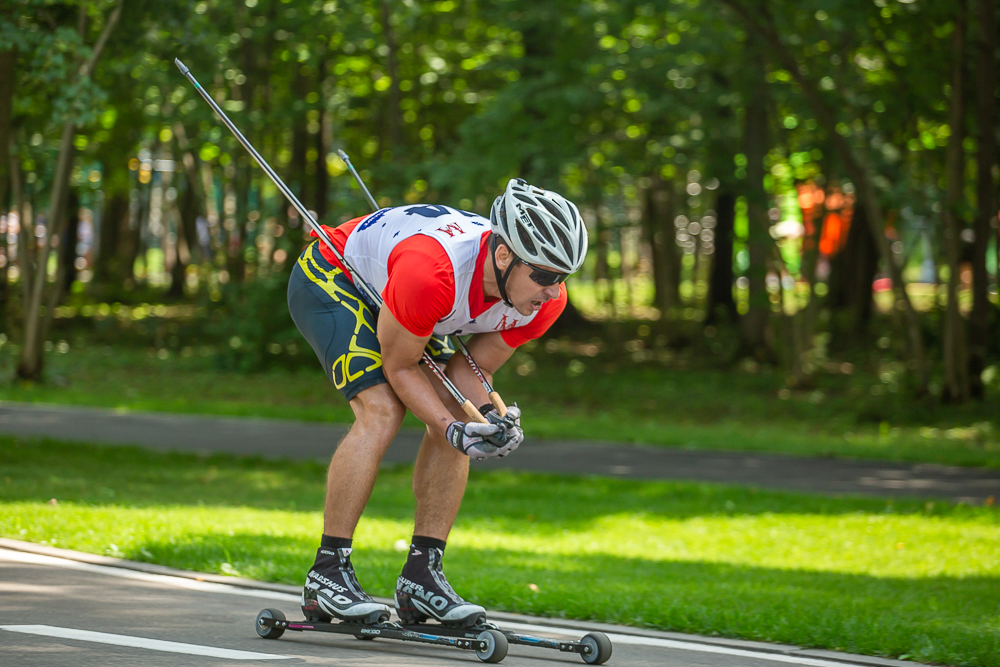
(339, 324)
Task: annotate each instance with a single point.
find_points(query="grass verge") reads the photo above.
(911, 579)
(698, 409)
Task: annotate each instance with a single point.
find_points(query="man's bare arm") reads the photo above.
(490, 352)
(401, 353)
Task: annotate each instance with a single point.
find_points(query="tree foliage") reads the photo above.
(639, 110)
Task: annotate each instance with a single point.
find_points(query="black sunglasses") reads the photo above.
(542, 277)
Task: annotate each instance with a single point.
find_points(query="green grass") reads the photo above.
(904, 578)
(567, 394)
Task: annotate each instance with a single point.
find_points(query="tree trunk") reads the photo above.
(238, 242)
(30, 366)
(602, 270)
(67, 247)
(393, 116)
(754, 324)
(852, 271)
(132, 236)
(187, 233)
(986, 208)
(956, 366)
(25, 239)
(720, 283)
(323, 138)
(658, 224)
(108, 263)
(300, 139)
(8, 60)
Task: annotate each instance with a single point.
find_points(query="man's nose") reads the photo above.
(552, 291)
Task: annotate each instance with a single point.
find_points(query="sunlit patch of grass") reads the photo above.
(891, 578)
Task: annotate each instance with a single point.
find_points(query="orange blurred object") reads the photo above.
(837, 222)
(830, 242)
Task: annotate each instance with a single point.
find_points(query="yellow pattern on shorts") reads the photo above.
(362, 315)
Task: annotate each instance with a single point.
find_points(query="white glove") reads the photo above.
(511, 435)
(473, 439)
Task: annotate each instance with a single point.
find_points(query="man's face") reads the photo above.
(526, 295)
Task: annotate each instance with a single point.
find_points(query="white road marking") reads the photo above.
(166, 580)
(575, 633)
(140, 642)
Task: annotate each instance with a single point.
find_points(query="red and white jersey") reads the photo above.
(427, 262)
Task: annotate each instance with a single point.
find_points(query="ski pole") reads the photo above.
(490, 391)
(363, 285)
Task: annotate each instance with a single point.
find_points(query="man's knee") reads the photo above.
(379, 408)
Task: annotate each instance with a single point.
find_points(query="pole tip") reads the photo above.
(343, 155)
(180, 66)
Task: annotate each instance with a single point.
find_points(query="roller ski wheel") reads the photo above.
(493, 646)
(597, 648)
(266, 631)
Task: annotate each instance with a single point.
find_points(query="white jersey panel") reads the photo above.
(368, 248)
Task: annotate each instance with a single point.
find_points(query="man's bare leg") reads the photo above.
(332, 588)
(439, 479)
(354, 466)
(439, 475)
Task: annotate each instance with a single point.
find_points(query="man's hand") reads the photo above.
(478, 440)
(510, 435)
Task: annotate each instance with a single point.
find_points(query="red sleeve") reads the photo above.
(338, 236)
(421, 286)
(547, 314)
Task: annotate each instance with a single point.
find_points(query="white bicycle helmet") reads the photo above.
(540, 226)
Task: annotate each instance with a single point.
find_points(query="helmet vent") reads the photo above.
(553, 260)
(526, 239)
(524, 198)
(541, 229)
(556, 213)
(564, 240)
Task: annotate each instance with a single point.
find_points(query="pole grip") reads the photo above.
(474, 413)
(498, 403)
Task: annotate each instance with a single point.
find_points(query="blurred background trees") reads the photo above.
(770, 182)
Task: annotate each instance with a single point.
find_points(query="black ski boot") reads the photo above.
(423, 592)
(332, 590)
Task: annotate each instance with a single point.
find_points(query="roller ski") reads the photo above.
(423, 594)
(489, 645)
(334, 602)
(594, 647)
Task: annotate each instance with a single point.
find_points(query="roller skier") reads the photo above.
(439, 271)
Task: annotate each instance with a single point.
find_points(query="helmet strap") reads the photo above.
(501, 278)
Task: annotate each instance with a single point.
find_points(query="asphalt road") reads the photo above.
(58, 612)
(309, 440)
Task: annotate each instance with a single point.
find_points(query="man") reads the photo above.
(440, 271)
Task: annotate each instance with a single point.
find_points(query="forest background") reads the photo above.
(794, 248)
(789, 200)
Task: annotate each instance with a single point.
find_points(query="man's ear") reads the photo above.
(503, 256)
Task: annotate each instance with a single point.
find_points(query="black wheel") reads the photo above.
(364, 638)
(496, 646)
(269, 632)
(598, 648)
